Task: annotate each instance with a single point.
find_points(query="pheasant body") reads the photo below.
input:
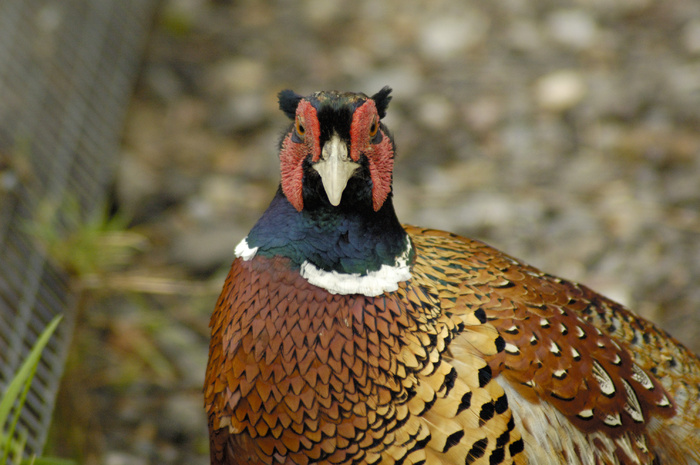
(343, 337)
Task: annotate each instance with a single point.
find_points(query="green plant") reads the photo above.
(12, 401)
(84, 247)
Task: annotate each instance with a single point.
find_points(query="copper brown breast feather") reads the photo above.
(344, 337)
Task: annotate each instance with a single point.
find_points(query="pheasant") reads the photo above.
(342, 336)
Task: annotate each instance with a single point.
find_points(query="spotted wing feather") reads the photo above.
(609, 377)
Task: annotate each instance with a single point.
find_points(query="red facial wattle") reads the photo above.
(380, 156)
(293, 153)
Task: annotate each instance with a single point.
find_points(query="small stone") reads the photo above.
(183, 416)
(560, 90)
(323, 12)
(353, 61)
(404, 80)
(8, 181)
(184, 8)
(436, 112)
(222, 193)
(122, 458)
(49, 18)
(525, 35)
(691, 36)
(206, 248)
(182, 346)
(573, 28)
(164, 83)
(237, 75)
(241, 112)
(484, 114)
(447, 36)
(136, 182)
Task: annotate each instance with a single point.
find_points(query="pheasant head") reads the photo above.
(332, 215)
(336, 151)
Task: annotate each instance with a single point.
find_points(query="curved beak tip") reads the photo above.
(335, 169)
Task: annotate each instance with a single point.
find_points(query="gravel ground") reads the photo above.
(564, 134)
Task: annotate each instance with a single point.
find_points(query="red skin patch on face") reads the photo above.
(293, 154)
(380, 156)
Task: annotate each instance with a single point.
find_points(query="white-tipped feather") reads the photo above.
(551, 439)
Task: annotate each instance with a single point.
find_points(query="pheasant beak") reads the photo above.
(335, 168)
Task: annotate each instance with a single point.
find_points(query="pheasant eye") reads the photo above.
(373, 128)
(300, 127)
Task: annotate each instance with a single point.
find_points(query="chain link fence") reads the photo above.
(67, 69)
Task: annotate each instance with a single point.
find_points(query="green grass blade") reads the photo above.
(18, 447)
(18, 412)
(16, 391)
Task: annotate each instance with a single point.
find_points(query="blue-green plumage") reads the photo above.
(353, 241)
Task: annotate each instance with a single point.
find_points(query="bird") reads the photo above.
(342, 336)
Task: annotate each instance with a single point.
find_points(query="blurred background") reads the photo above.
(564, 133)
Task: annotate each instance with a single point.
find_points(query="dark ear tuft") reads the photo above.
(289, 101)
(381, 100)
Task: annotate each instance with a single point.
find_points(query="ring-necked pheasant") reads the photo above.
(342, 336)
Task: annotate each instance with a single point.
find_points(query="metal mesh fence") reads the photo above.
(67, 68)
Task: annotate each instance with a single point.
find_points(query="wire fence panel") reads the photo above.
(67, 69)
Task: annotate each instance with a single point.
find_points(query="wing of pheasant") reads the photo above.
(344, 337)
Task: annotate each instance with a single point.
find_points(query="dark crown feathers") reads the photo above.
(289, 101)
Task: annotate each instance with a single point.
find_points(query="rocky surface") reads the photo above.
(566, 135)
